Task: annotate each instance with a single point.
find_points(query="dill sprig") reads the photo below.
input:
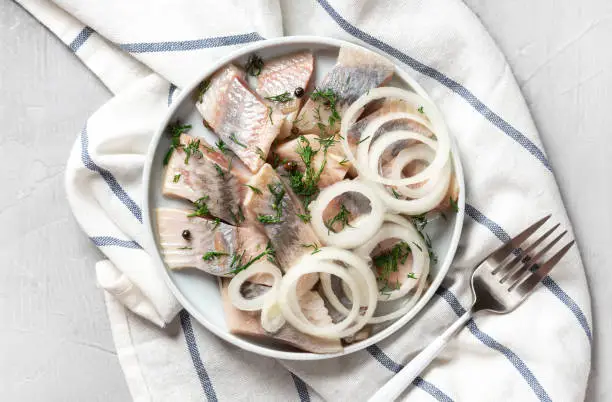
(278, 192)
(211, 255)
(343, 217)
(453, 204)
(362, 140)
(304, 217)
(236, 264)
(281, 98)
(254, 65)
(176, 178)
(389, 261)
(222, 147)
(192, 149)
(343, 162)
(235, 140)
(254, 189)
(306, 183)
(420, 221)
(175, 132)
(329, 99)
(270, 115)
(315, 247)
(202, 88)
(201, 207)
(238, 216)
(216, 223)
(220, 171)
(260, 153)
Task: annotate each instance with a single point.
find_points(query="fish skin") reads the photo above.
(204, 238)
(199, 178)
(248, 323)
(355, 73)
(290, 235)
(239, 117)
(285, 74)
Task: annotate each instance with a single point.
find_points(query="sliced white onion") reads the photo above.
(363, 275)
(272, 319)
(419, 152)
(353, 112)
(256, 303)
(361, 229)
(419, 251)
(287, 299)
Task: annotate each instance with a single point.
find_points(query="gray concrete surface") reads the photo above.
(55, 344)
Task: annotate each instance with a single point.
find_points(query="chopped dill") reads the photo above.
(260, 153)
(420, 110)
(453, 204)
(360, 141)
(237, 216)
(343, 162)
(305, 183)
(270, 115)
(202, 88)
(201, 207)
(278, 192)
(389, 261)
(222, 147)
(176, 178)
(235, 140)
(216, 223)
(329, 99)
(211, 255)
(411, 275)
(236, 264)
(395, 193)
(254, 189)
(420, 221)
(175, 132)
(254, 65)
(220, 171)
(192, 149)
(432, 255)
(185, 248)
(315, 247)
(282, 98)
(343, 217)
(304, 217)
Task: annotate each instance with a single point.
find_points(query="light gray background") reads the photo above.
(55, 343)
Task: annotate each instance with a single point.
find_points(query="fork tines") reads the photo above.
(526, 269)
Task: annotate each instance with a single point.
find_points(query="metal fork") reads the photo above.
(499, 284)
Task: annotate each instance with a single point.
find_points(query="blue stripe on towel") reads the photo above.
(548, 282)
(102, 241)
(301, 387)
(194, 351)
(179, 46)
(171, 91)
(80, 39)
(108, 178)
(441, 78)
(516, 361)
(388, 363)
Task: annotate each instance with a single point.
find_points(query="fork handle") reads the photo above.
(400, 381)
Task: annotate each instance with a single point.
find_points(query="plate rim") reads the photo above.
(149, 235)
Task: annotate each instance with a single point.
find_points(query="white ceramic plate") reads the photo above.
(197, 291)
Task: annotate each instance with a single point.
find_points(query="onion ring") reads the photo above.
(256, 303)
(364, 227)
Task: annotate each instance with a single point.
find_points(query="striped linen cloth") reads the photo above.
(144, 51)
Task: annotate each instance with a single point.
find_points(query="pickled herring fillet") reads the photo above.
(282, 76)
(249, 323)
(355, 73)
(243, 121)
(276, 213)
(185, 241)
(335, 168)
(196, 170)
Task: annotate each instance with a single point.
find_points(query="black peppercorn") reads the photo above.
(299, 92)
(295, 130)
(290, 166)
(186, 234)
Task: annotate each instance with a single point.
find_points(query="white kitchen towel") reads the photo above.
(144, 50)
